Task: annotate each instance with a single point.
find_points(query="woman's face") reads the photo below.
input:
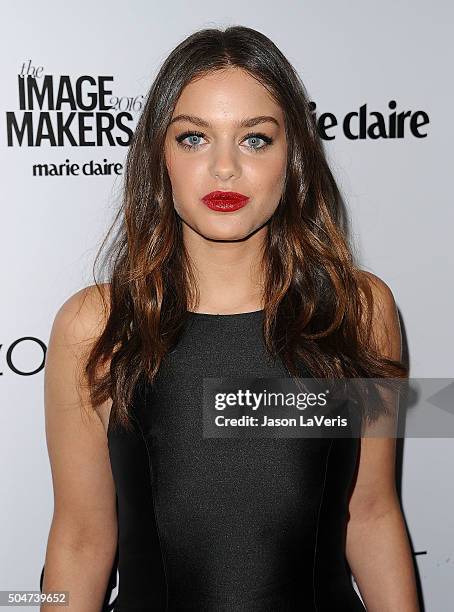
(222, 156)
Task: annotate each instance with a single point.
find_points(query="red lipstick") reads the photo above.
(225, 201)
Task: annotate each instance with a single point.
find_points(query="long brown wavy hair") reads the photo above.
(317, 305)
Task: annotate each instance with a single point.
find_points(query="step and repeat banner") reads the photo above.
(379, 80)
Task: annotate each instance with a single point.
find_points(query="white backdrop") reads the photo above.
(397, 189)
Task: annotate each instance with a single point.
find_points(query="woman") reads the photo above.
(232, 249)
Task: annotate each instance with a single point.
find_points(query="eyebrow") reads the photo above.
(248, 122)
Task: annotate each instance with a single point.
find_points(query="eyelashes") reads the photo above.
(193, 147)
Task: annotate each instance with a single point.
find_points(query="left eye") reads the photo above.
(256, 139)
(192, 137)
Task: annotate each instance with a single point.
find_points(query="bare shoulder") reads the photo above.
(384, 315)
(83, 315)
(77, 325)
(381, 291)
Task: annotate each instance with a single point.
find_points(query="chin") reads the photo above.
(226, 232)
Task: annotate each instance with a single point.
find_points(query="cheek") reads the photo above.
(277, 177)
(187, 180)
(268, 175)
(278, 165)
(176, 173)
(183, 172)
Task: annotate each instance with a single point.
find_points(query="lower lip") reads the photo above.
(225, 205)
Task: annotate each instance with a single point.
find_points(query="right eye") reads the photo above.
(191, 136)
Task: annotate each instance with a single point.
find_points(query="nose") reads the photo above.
(225, 164)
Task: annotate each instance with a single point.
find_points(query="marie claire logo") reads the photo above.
(62, 110)
(366, 124)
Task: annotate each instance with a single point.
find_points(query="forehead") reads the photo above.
(227, 95)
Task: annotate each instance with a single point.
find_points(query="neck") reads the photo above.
(228, 273)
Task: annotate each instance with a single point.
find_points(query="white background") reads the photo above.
(399, 193)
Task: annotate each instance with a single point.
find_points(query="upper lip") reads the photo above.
(225, 195)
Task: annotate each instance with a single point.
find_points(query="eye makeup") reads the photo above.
(194, 147)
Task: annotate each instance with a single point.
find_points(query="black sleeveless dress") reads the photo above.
(232, 524)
